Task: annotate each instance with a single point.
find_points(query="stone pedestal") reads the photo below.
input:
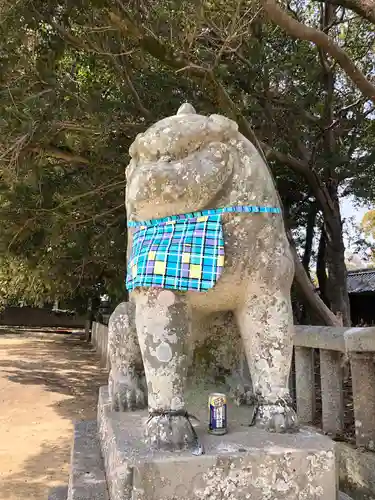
(244, 464)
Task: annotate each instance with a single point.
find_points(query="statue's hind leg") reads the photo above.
(266, 324)
(126, 377)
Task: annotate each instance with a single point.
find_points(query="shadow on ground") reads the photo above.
(61, 363)
(25, 486)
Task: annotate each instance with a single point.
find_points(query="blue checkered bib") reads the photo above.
(181, 252)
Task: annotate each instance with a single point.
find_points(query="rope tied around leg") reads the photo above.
(198, 448)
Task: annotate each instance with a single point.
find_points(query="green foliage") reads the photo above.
(78, 81)
(368, 224)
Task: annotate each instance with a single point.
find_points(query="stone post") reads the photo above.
(87, 330)
(104, 345)
(332, 392)
(305, 387)
(94, 335)
(98, 339)
(107, 358)
(292, 379)
(101, 342)
(363, 380)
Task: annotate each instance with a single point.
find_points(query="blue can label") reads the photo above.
(218, 412)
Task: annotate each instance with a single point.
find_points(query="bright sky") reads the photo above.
(349, 209)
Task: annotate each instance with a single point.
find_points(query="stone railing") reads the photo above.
(99, 340)
(336, 346)
(322, 356)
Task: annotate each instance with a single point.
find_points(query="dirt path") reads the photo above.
(47, 381)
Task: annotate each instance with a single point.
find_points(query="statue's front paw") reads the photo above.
(170, 432)
(276, 418)
(127, 393)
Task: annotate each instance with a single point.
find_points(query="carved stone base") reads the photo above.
(245, 463)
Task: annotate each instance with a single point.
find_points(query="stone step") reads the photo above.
(58, 493)
(344, 496)
(87, 478)
(245, 463)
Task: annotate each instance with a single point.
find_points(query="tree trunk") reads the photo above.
(302, 280)
(337, 289)
(309, 238)
(321, 272)
(306, 288)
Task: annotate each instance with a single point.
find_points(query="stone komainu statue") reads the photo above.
(206, 236)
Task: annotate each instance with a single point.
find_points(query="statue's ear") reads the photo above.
(224, 124)
(186, 109)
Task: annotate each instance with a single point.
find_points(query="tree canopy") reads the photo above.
(368, 227)
(78, 81)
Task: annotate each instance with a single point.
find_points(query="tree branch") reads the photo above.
(124, 72)
(155, 48)
(59, 154)
(364, 8)
(298, 30)
(302, 168)
(151, 44)
(307, 289)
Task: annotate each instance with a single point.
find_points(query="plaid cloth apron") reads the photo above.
(181, 252)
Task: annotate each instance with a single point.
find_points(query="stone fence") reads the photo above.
(336, 347)
(99, 340)
(328, 360)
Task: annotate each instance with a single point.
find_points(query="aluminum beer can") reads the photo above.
(217, 406)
